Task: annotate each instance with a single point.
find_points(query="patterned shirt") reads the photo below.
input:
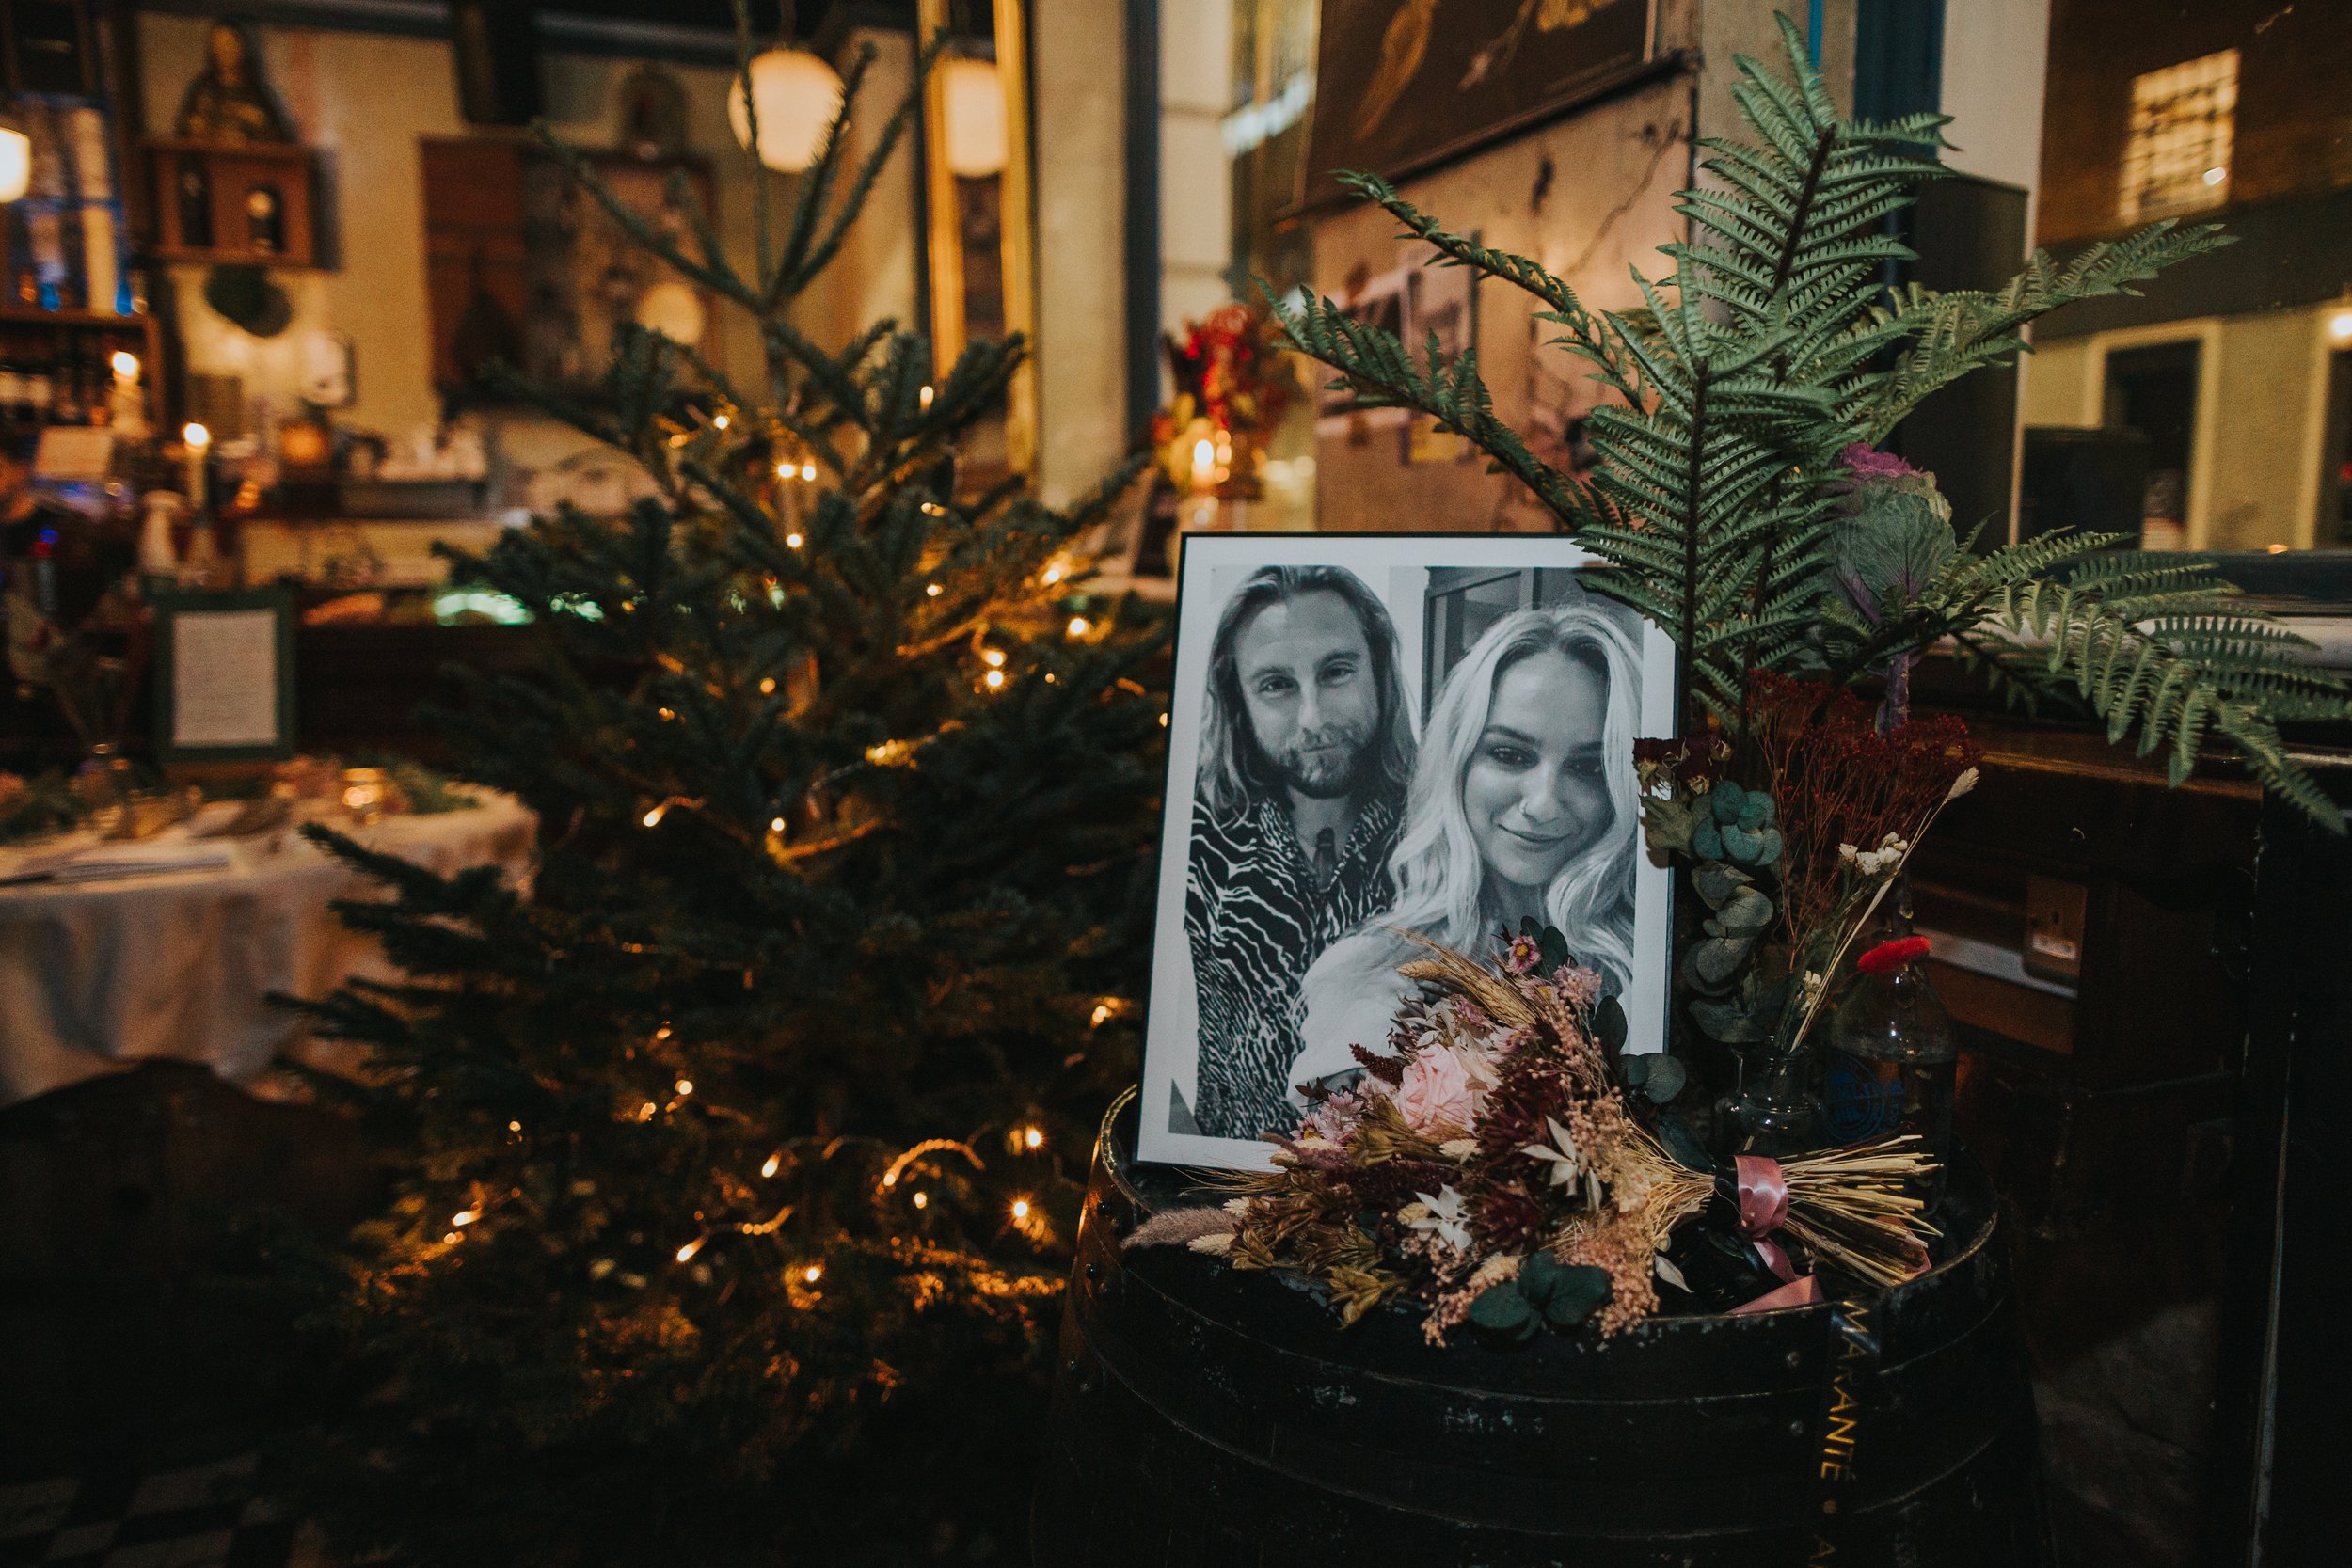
(1255, 918)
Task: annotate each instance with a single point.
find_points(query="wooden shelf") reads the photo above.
(223, 176)
(32, 315)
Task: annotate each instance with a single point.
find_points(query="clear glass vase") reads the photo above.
(1893, 1059)
(1776, 1110)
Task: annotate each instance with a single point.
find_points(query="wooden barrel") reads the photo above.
(1209, 1419)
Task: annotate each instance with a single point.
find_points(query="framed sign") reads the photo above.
(224, 676)
(1376, 733)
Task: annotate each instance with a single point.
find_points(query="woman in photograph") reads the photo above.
(1522, 805)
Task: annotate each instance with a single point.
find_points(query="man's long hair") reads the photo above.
(1233, 767)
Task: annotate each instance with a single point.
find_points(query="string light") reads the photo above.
(1053, 575)
(688, 1251)
(1162, 721)
(994, 658)
(666, 712)
(514, 1127)
(931, 591)
(808, 470)
(922, 1201)
(653, 818)
(644, 1112)
(1033, 1137)
(465, 1217)
(775, 824)
(452, 1239)
(717, 422)
(662, 1034)
(993, 679)
(1020, 1210)
(924, 397)
(771, 1164)
(890, 1178)
(768, 686)
(685, 1087)
(933, 508)
(786, 471)
(1101, 1014)
(811, 1273)
(793, 541)
(1080, 625)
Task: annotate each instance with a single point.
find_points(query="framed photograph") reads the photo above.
(1403, 86)
(1375, 734)
(224, 676)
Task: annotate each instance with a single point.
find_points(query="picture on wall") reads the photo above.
(1370, 735)
(524, 267)
(1404, 84)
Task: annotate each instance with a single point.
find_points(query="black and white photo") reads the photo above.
(1370, 736)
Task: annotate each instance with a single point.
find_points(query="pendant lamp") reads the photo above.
(974, 102)
(797, 95)
(16, 162)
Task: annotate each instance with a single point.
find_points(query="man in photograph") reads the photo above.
(1306, 744)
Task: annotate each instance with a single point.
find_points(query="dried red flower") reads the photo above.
(1888, 957)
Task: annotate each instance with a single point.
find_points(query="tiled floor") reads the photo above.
(200, 1517)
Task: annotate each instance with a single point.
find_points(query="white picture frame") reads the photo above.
(1208, 1091)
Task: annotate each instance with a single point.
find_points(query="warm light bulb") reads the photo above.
(786, 471)
(2340, 327)
(1162, 721)
(465, 1217)
(126, 365)
(994, 679)
(974, 99)
(653, 818)
(931, 591)
(1053, 575)
(890, 1178)
(808, 470)
(16, 163)
(767, 685)
(922, 1201)
(1080, 625)
(924, 397)
(1034, 1138)
(1203, 457)
(993, 657)
(685, 1085)
(775, 824)
(514, 1127)
(1101, 1014)
(791, 541)
(452, 1239)
(196, 436)
(2214, 176)
(811, 1273)
(770, 1165)
(1020, 1208)
(796, 95)
(689, 1249)
(717, 422)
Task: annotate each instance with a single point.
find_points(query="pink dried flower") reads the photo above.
(1869, 462)
(1523, 957)
(1435, 1096)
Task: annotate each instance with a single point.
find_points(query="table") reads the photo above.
(95, 975)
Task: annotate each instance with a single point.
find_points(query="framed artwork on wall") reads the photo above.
(1402, 86)
(224, 676)
(524, 267)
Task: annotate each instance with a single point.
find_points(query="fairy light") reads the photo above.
(922, 1201)
(465, 1217)
(653, 818)
(775, 824)
(925, 396)
(1080, 625)
(662, 1034)
(890, 1178)
(514, 1127)
(687, 1252)
(1101, 1014)
(786, 470)
(644, 1112)
(767, 685)
(1162, 721)
(1020, 1210)
(685, 1087)
(1053, 575)
(808, 470)
(771, 1164)
(933, 508)
(994, 680)
(452, 1239)
(1033, 1137)
(717, 422)
(931, 591)
(993, 657)
(791, 541)
(811, 1273)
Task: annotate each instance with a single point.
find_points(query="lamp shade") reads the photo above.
(673, 310)
(16, 163)
(975, 98)
(797, 95)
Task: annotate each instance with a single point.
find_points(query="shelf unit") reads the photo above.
(233, 194)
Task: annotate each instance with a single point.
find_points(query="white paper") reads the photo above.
(224, 678)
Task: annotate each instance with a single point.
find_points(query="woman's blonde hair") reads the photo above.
(1440, 879)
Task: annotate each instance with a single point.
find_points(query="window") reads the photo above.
(2177, 158)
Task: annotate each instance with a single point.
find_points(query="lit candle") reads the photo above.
(200, 441)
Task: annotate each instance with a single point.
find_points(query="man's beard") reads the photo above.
(1324, 765)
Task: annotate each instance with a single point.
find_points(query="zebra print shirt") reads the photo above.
(1256, 920)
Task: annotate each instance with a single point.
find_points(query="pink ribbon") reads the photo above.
(1763, 1208)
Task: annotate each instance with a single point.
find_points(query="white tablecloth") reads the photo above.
(94, 975)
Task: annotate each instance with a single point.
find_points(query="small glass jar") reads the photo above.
(1776, 1110)
(1893, 1060)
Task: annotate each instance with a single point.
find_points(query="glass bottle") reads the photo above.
(1777, 1109)
(1892, 1058)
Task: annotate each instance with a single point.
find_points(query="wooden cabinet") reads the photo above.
(251, 202)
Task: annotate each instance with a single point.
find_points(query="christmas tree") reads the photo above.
(735, 1162)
